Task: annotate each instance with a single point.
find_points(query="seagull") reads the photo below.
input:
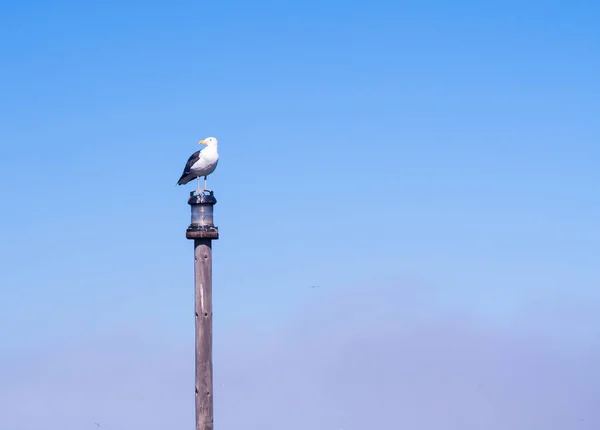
(201, 163)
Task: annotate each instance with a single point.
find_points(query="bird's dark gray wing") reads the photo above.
(188, 167)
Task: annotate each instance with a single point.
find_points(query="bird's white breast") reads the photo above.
(207, 162)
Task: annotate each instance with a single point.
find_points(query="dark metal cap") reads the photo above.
(202, 199)
(202, 232)
(202, 217)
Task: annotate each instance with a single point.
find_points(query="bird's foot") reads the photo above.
(201, 191)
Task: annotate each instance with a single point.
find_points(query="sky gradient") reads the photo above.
(437, 161)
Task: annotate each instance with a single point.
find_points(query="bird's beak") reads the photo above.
(202, 142)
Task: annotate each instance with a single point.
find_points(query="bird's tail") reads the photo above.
(184, 179)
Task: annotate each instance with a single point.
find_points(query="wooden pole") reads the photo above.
(203, 307)
(203, 232)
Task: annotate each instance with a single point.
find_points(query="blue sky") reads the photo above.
(450, 146)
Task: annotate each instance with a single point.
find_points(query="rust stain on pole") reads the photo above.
(203, 307)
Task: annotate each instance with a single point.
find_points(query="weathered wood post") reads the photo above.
(202, 230)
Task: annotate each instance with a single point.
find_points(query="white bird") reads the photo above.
(201, 163)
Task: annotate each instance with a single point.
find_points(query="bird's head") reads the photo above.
(209, 141)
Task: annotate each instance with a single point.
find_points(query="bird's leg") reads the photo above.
(198, 191)
(206, 189)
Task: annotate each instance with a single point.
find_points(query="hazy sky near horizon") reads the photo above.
(442, 155)
(350, 361)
